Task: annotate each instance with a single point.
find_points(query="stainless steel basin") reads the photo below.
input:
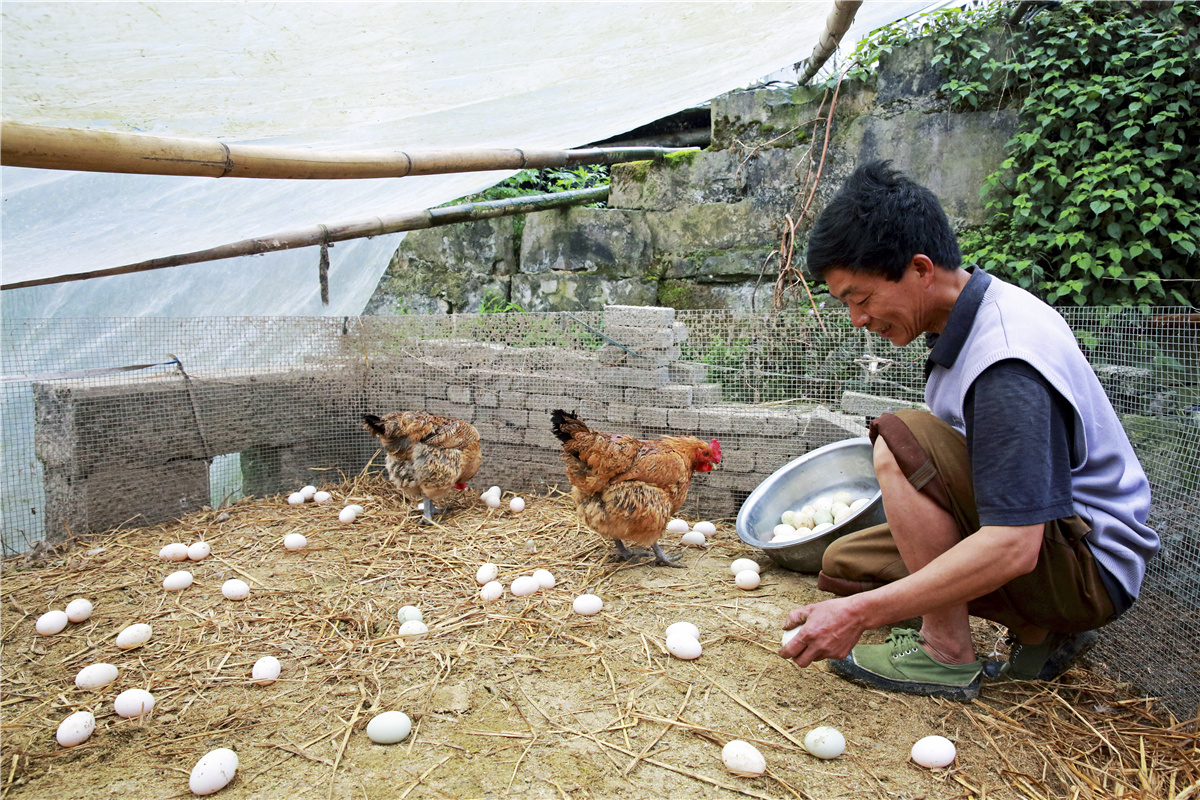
(844, 465)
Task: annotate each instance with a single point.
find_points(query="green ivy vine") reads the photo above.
(1098, 200)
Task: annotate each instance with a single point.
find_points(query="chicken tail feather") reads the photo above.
(565, 424)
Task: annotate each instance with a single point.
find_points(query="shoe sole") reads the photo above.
(846, 668)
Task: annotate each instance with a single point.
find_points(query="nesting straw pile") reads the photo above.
(517, 697)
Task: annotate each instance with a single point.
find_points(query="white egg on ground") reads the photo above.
(421, 506)
(544, 578)
(747, 579)
(308, 492)
(198, 551)
(743, 564)
(95, 676)
(683, 645)
(524, 586)
(693, 538)
(789, 633)
(235, 589)
(176, 551)
(683, 627)
(75, 729)
(213, 771)
(347, 515)
(678, 526)
(743, 759)
(177, 581)
(516, 505)
(295, 541)
(485, 495)
(134, 635)
(486, 573)
(357, 508)
(707, 528)
(495, 490)
(322, 497)
(492, 501)
(266, 670)
(295, 499)
(389, 727)
(133, 703)
(492, 590)
(587, 605)
(933, 752)
(412, 630)
(407, 613)
(825, 742)
(79, 609)
(51, 622)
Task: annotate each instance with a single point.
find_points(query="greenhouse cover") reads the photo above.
(334, 76)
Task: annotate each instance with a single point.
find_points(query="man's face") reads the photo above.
(895, 311)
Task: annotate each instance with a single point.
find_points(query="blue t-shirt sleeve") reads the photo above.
(1019, 431)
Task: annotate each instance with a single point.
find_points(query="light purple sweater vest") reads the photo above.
(1108, 485)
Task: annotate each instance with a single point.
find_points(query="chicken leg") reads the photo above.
(430, 510)
(661, 558)
(624, 554)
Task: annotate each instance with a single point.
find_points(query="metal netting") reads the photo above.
(127, 422)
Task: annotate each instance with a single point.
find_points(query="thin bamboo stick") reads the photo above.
(357, 229)
(47, 147)
(836, 25)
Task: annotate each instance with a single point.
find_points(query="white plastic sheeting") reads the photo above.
(347, 76)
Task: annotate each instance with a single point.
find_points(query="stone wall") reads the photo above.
(698, 229)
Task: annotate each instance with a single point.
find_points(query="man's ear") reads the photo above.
(924, 267)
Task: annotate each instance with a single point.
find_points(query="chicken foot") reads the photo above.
(661, 558)
(430, 510)
(624, 554)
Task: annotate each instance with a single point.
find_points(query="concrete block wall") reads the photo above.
(138, 452)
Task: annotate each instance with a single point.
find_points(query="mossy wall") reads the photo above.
(702, 229)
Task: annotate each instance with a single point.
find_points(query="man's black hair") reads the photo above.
(877, 222)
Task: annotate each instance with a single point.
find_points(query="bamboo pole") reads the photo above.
(358, 229)
(836, 25)
(45, 147)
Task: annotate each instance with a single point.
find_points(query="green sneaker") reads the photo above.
(1047, 660)
(902, 665)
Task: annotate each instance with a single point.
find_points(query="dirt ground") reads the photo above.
(518, 697)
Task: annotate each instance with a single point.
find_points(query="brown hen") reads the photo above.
(427, 455)
(627, 489)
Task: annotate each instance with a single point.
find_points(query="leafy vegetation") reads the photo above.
(1097, 202)
(545, 181)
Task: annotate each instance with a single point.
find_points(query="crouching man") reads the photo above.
(1019, 499)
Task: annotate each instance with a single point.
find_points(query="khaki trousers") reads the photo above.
(1063, 593)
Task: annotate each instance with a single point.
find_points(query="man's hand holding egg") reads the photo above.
(824, 632)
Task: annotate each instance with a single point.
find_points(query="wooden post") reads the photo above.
(45, 147)
(319, 234)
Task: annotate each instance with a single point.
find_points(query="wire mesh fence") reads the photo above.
(125, 422)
